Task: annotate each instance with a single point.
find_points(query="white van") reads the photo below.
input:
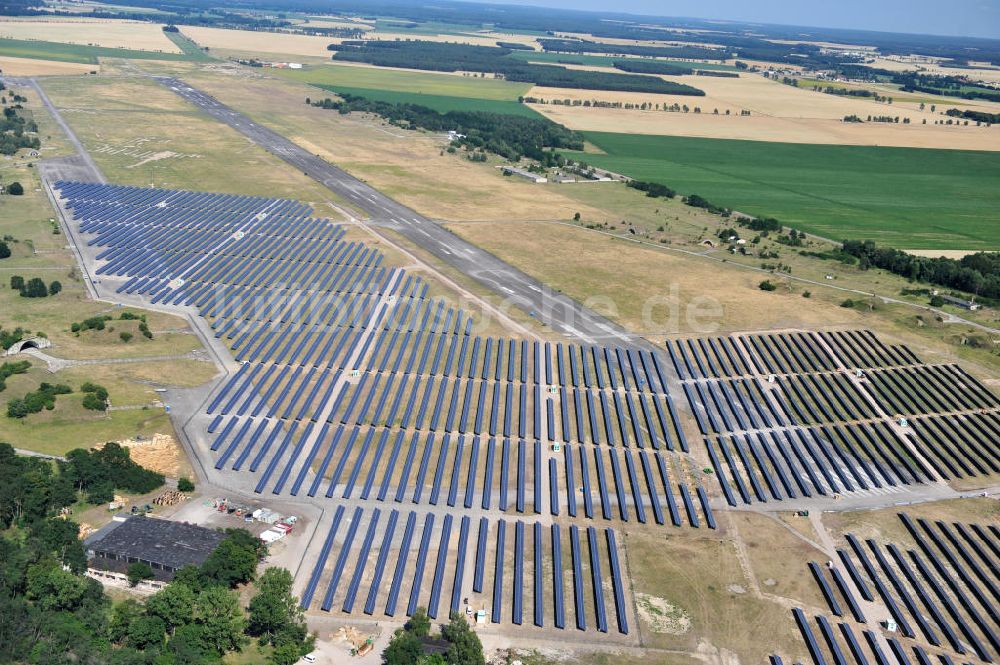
(309, 658)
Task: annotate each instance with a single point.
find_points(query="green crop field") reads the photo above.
(440, 103)
(394, 80)
(908, 198)
(39, 50)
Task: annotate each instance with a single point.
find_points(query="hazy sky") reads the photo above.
(971, 18)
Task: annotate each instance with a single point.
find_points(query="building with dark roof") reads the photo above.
(163, 545)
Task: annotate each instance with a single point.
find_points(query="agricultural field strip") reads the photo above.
(287, 288)
(845, 191)
(803, 413)
(942, 594)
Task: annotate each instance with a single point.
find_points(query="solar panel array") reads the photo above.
(805, 414)
(356, 387)
(943, 596)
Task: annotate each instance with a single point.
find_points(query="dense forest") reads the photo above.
(51, 614)
(978, 273)
(978, 116)
(583, 46)
(444, 57)
(510, 136)
(643, 66)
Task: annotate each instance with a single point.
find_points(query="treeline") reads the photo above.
(932, 84)
(652, 189)
(975, 273)
(515, 46)
(443, 57)
(583, 46)
(509, 136)
(717, 73)
(15, 130)
(661, 67)
(978, 116)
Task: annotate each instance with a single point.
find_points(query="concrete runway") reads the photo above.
(556, 310)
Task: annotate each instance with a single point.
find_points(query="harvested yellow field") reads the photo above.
(259, 42)
(32, 67)
(779, 112)
(96, 32)
(984, 74)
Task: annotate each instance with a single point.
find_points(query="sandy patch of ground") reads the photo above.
(96, 32)
(947, 253)
(32, 67)
(259, 42)
(661, 616)
(161, 453)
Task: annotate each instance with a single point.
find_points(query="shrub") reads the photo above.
(35, 288)
(767, 285)
(139, 571)
(937, 301)
(96, 397)
(125, 336)
(184, 484)
(847, 303)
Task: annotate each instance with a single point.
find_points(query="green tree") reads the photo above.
(404, 649)
(122, 616)
(138, 571)
(145, 632)
(464, 647)
(184, 484)
(4, 250)
(419, 623)
(15, 189)
(16, 282)
(218, 612)
(273, 610)
(35, 288)
(234, 561)
(188, 646)
(174, 605)
(54, 288)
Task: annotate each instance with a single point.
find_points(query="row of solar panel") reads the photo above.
(470, 472)
(784, 353)
(854, 646)
(969, 601)
(126, 195)
(545, 580)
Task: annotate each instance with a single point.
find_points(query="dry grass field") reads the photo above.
(97, 32)
(443, 186)
(620, 279)
(779, 112)
(140, 132)
(31, 67)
